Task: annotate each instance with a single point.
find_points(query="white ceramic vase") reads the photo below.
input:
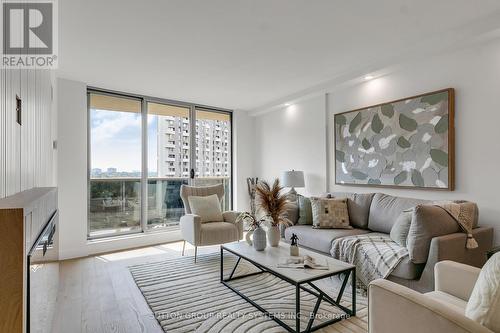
(259, 239)
(273, 236)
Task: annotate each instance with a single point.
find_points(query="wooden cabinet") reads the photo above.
(23, 217)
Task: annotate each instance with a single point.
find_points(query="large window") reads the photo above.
(213, 151)
(115, 159)
(141, 151)
(168, 162)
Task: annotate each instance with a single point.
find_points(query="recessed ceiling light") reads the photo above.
(287, 104)
(368, 77)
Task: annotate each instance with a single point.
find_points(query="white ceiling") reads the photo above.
(242, 54)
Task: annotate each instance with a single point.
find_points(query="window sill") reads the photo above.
(128, 236)
(131, 241)
(131, 234)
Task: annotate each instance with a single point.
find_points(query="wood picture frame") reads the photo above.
(405, 143)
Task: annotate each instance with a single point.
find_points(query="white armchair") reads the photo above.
(197, 233)
(395, 308)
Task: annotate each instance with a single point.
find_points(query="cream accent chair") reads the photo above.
(393, 308)
(209, 233)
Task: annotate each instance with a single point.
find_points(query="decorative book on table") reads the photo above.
(302, 262)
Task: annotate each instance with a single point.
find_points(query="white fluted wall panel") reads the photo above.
(26, 153)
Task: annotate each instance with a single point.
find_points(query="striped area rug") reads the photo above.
(188, 297)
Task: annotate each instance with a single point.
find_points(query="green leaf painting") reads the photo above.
(435, 98)
(387, 110)
(355, 123)
(407, 123)
(442, 125)
(366, 144)
(377, 124)
(340, 156)
(340, 120)
(401, 177)
(359, 175)
(372, 181)
(439, 157)
(417, 179)
(405, 143)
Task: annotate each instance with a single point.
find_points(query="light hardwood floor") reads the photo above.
(98, 294)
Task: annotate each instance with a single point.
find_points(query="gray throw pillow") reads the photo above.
(428, 222)
(305, 210)
(400, 229)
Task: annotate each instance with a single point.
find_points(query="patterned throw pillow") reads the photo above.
(330, 213)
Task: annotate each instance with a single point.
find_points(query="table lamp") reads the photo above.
(292, 179)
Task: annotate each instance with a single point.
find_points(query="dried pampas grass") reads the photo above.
(274, 203)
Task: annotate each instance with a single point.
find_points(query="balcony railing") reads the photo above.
(115, 203)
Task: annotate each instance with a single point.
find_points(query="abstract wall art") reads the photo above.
(406, 143)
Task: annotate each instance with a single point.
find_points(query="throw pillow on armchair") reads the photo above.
(484, 302)
(207, 208)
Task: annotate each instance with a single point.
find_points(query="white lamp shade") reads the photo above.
(292, 178)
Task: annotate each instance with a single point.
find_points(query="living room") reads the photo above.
(260, 166)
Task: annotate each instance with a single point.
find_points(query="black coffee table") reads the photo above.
(266, 261)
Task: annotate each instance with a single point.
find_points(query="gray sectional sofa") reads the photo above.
(377, 212)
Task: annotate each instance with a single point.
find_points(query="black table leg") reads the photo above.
(313, 314)
(221, 264)
(297, 308)
(234, 269)
(353, 306)
(328, 298)
(344, 283)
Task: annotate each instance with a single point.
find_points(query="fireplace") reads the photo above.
(42, 279)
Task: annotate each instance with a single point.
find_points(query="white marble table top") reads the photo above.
(270, 256)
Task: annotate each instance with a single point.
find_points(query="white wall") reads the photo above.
(293, 138)
(243, 154)
(473, 72)
(72, 167)
(26, 153)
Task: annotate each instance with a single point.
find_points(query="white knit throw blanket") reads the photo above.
(465, 214)
(375, 255)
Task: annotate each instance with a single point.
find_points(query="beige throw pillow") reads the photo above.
(208, 208)
(428, 221)
(330, 213)
(484, 302)
(400, 229)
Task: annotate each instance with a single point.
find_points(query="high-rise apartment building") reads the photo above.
(212, 144)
